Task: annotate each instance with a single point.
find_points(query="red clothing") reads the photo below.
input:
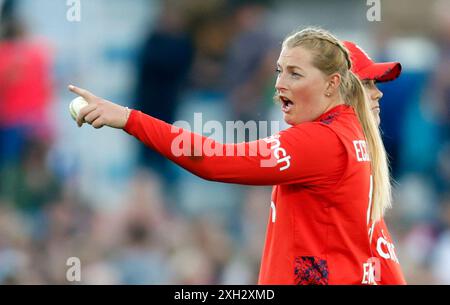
(317, 232)
(25, 85)
(383, 248)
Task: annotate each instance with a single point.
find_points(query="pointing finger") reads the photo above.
(88, 96)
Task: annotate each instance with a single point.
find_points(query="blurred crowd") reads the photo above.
(217, 57)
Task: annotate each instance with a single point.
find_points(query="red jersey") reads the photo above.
(383, 248)
(318, 227)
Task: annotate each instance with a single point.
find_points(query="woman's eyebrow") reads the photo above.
(290, 67)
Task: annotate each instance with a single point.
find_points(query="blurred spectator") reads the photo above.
(25, 87)
(142, 255)
(440, 93)
(212, 31)
(141, 260)
(251, 61)
(441, 85)
(440, 263)
(163, 66)
(30, 184)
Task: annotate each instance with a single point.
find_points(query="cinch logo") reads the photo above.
(279, 152)
(386, 249)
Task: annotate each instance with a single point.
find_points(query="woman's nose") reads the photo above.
(280, 83)
(377, 94)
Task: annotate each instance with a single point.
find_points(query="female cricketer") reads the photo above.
(329, 169)
(381, 242)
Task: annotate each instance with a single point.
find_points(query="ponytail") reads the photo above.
(381, 194)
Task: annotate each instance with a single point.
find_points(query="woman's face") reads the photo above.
(374, 95)
(301, 87)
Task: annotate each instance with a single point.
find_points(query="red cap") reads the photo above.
(366, 69)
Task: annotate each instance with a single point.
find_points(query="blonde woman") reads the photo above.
(329, 170)
(370, 73)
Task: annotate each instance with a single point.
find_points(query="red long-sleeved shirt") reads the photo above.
(318, 230)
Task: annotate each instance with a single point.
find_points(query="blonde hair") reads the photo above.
(331, 56)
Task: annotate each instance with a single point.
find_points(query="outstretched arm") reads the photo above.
(307, 154)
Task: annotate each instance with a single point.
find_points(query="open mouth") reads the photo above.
(286, 104)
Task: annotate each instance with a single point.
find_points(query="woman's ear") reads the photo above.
(334, 81)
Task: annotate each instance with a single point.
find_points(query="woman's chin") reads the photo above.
(289, 119)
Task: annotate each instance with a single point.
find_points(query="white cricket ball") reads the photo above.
(75, 106)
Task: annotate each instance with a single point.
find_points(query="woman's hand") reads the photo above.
(100, 112)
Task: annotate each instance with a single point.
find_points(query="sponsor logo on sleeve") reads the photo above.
(278, 152)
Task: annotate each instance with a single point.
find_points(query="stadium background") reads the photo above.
(131, 217)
